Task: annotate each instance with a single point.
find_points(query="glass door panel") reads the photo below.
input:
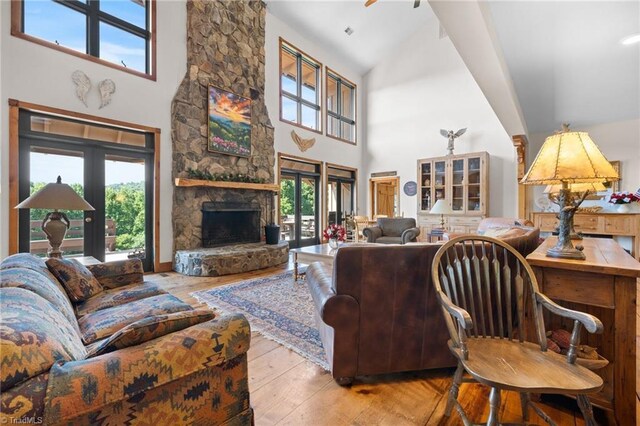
(288, 208)
(124, 213)
(439, 180)
(45, 165)
(457, 185)
(425, 186)
(332, 202)
(308, 198)
(473, 184)
(346, 200)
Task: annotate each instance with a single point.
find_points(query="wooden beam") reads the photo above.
(520, 143)
(185, 182)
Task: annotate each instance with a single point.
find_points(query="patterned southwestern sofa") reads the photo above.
(131, 354)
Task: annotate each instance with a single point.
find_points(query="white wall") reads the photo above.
(325, 149)
(40, 75)
(617, 141)
(421, 88)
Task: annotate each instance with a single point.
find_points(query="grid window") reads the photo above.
(116, 31)
(300, 77)
(341, 108)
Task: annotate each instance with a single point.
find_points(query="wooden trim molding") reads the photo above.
(163, 267)
(14, 140)
(14, 111)
(16, 31)
(521, 143)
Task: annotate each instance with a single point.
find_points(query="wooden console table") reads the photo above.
(614, 224)
(603, 285)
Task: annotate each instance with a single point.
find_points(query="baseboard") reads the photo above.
(164, 267)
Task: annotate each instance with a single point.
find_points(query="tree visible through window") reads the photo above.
(116, 31)
(299, 88)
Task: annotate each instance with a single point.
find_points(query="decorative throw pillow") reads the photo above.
(496, 232)
(149, 329)
(76, 279)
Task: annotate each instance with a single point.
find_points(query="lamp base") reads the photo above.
(55, 225)
(566, 253)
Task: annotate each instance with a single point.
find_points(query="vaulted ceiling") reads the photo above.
(376, 29)
(567, 62)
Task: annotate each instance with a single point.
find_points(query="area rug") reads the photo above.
(276, 307)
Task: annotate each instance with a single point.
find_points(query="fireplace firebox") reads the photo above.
(225, 223)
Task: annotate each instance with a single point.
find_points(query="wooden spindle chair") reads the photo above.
(491, 302)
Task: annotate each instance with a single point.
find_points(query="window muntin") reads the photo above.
(300, 98)
(115, 31)
(341, 108)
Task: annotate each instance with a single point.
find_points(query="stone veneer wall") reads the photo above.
(225, 48)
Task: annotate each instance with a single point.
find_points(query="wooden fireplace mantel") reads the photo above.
(186, 182)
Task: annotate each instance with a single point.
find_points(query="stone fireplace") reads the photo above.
(225, 48)
(226, 223)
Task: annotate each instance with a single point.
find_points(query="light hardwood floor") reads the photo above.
(287, 389)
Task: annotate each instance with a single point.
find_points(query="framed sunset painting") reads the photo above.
(229, 123)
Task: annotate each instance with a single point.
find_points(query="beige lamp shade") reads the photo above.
(571, 157)
(577, 187)
(441, 207)
(55, 196)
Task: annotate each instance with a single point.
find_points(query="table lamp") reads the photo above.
(579, 191)
(55, 196)
(568, 157)
(441, 207)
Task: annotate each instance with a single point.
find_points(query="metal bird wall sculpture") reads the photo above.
(451, 136)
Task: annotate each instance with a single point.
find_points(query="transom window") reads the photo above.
(115, 31)
(341, 108)
(299, 88)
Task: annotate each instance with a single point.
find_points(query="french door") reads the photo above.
(340, 195)
(111, 168)
(299, 207)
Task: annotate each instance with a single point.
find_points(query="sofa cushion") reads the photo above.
(33, 335)
(150, 328)
(25, 401)
(76, 278)
(389, 240)
(118, 273)
(118, 296)
(39, 284)
(27, 261)
(103, 323)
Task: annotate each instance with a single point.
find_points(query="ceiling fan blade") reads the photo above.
(369, 3)
(416, 3)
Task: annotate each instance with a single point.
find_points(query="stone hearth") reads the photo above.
(232, 259)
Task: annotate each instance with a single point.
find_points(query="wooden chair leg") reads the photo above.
(587, 411)
(455, 388)
(494, 407)
(524, 404)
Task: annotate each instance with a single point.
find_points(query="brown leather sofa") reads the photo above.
(377, 311)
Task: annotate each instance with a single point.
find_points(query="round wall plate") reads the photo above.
(410, 188)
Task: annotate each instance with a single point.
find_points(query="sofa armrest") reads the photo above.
(410, 234)
(372, 233)
(79, 389)
(118, 273)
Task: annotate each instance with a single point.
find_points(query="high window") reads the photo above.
(114, 32)
(300, 77)
(341, 108)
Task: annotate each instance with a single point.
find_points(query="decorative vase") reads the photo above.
(333, 243)
(624, 208)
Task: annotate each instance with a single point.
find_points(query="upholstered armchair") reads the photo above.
(392, 231)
